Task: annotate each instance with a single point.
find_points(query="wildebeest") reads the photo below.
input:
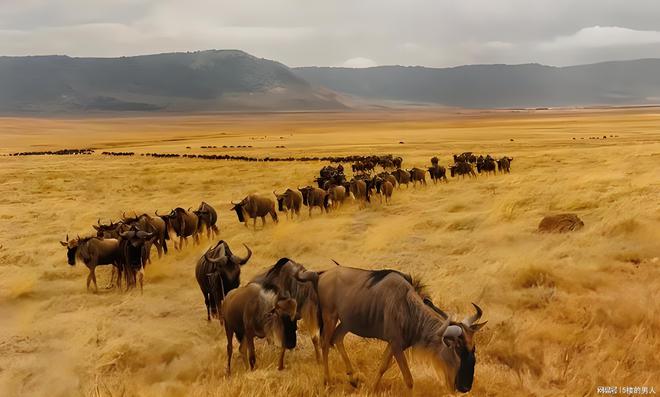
(360, 191)
(488, 165)
(284, 277)
(184, 223)
(155, 225)
(418, 175)
(289, 202)
(437, 173)
(315, 197)
(337, 195)
(386, 176)
(462, 168)
(387, 189)
(253, 206)
(92, 251)
(207, 218)
(504, 164)
(402, 177)
(218, 271)
(387, 305)
(255, 312)
(134, 247)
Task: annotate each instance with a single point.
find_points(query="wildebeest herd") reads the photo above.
(383, 304)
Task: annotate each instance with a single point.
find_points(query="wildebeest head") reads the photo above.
(280, 201)
(279, 326)
(238, 207)
(71, 249)
(455, 356)
(305, 193)
(135, 236)
(107, 230)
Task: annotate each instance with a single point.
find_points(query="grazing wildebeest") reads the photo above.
(402, 177)
(417, 175)
(92, 251)
(284, 277)
(207, 218)
(289, 202)
(387, 305)
(437, 173)
(360, 191)
(255, 312)
(218, 271)
(337, 195)
(315, 197)
(134, 247)
(253, 206)
(462, 168)
(155, 225)
(504, 164)
(184, 223)
(387, 188)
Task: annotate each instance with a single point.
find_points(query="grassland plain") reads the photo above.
(566, 313)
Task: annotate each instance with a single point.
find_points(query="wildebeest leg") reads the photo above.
(159, 248)
(385, 364)
(317, 352)
(280, 365)
(263, 221)
(113, 273)
(403, 366)
(230, 347)
(141, 278)
(329, 322)
(242, 348)
(254, 223)
(338, 340)
(251, 355)
(207, 301)
(93, 274)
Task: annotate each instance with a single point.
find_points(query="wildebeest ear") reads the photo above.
(64, 243)
(96, 227)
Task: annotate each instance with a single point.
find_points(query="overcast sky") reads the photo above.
(354, 33)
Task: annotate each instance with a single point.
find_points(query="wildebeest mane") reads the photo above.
(275, 269)
(377, 276)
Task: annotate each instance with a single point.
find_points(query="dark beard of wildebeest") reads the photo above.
(387, 305)
(184, 223)
(315, 197)
(134, 247)
(92, 251)
(283, 277)
(254, 312)
(254, 207)
(155, 225)
(289, 202)
(208, 218)
(218, 271)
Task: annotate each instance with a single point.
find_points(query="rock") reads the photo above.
(560, 223)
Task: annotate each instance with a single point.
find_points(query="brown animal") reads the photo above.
(255, 312)
(284, 277)
(134, 247)
(462, 168)
(388, 177)
(254, 207)
(218, 271)
(387, 305)
(418, 175)
(184, 223)
(360, 191)
(93, 252)
(207, 218)
(560, 223)
(337, 195)
(402, 177)
(289, 202)
(387, 189)
(315, 197)
(437, 173)
(504, 164)
(149, 224)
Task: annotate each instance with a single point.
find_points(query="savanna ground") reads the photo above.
(566, 313)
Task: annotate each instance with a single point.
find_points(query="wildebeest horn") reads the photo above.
(127, 234)
(305, 276)
(143, 234)
(67, 237)
(189, 208)
(474, 318)
(242, 261)
(233, 203)
(336, 263)
(98, 221)
(156, 212)
(275, 193)
(436, 309)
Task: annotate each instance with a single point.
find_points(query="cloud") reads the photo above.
(602, 36)
(359, 62)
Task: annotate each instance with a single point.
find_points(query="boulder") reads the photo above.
(560, 223)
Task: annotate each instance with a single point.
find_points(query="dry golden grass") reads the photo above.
(566, 312)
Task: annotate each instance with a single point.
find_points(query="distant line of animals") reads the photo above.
(63, 152)
(385, 304)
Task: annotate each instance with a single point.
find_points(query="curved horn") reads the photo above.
(98, 221)
(242, 261)
(127, 234)
(123, 215)
(143, 234)
(233, 203)
(336, 263)
(156, 212)
(67, 237)
(189, 208)
(275, 193)
(475, 317)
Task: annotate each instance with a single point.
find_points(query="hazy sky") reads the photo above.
(336, 32)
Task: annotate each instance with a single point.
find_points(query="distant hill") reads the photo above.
(214, 80)
(488, 86)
